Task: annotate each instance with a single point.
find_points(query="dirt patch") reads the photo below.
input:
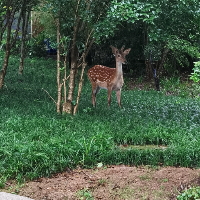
(113, 182)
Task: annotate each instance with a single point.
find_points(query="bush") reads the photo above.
(36, 46)
(196, 75)
(192, 193)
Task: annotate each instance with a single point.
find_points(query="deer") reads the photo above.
(111, 79)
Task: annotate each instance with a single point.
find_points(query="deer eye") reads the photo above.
(118, 55)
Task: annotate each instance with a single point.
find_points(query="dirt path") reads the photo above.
(113, 182)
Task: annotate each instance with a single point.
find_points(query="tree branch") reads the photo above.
(50, 96)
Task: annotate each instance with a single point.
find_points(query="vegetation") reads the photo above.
(84, 194)
(74, 26)
(196, 74)
(153, 128)
(190, 194)
(35, 141)
(8, 12)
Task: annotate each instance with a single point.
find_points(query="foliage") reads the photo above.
(154, 50)
(36, 46)
(171, 24)
(176, 27)
(196, 74)
(84, 194)
(2, 14)
(192, 193)
(180, 49)
(133, 10)
(92, 15)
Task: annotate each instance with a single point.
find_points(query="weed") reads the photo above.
(162, 187)
(84, 195)
(87, 148)
(140, 79)
(144, 177)
(126, 193)
(165, 180)
(87, 110)
(123, 193)
(102, 182)
(159, 194)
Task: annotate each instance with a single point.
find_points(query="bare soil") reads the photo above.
(111, 182)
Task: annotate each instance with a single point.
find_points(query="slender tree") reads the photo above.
(12, 7)
(10, 12)
(26, 11)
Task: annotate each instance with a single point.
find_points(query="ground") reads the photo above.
(110, 182)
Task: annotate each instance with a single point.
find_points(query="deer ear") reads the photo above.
(126, 52)
(114, 50)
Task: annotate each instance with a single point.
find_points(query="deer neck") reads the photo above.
(119, 68)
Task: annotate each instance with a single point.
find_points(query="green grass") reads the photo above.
(35, 141)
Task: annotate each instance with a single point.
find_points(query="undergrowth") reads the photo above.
(35, 141)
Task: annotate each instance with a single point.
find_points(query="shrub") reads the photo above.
(196, 74)
(192, 193)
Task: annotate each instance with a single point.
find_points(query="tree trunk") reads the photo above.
(162, 61)
(65, 104)
(9, 19)
(85, 53)
(5, 65)
(80, 85)
(69, 106)
(59, 85)
(16, 30)
(159, 72)
(24, 33)
(149, 73)
(2, 29)
(65, 77)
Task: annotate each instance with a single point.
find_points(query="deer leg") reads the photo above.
(95, 90)
(94, 86)
(118, 94)
(93, 99)
(109, 96)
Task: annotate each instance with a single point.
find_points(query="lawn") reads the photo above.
(36, 141)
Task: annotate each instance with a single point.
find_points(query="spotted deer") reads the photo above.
(108, 78)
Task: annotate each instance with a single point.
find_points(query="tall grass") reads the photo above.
(35, 141)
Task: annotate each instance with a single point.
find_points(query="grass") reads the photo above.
(35, 141)
(123, 193)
